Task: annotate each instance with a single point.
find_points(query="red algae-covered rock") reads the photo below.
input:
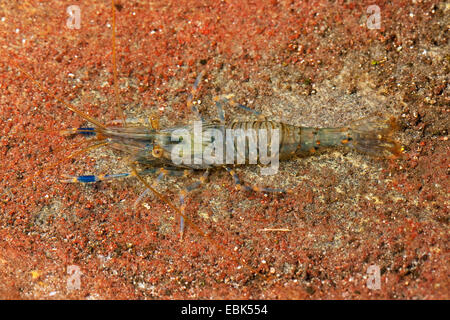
(306, 63)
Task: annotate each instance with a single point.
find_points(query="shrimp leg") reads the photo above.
(183, 194)
(228, 99)
(241, 186)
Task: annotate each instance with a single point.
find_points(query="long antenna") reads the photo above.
(67, 105)
(116, 86)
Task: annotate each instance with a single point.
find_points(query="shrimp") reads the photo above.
(152, 149)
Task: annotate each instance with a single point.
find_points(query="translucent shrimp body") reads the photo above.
(154, 148)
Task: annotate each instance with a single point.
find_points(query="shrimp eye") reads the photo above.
(157, 152)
